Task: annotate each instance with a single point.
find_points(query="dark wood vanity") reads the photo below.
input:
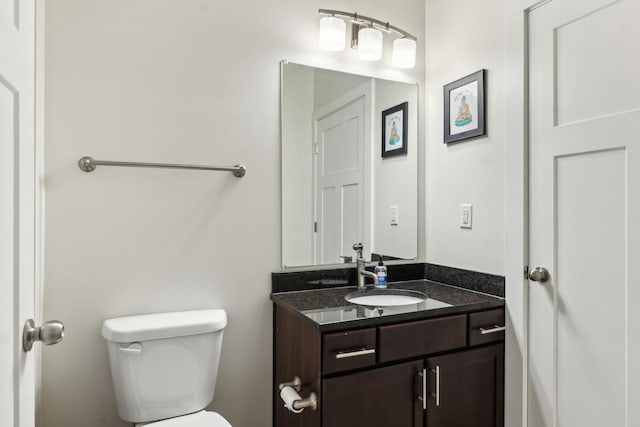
(440, 367)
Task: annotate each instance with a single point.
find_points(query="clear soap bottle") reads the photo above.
(381, 272)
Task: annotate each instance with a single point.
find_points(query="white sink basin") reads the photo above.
(385, 297)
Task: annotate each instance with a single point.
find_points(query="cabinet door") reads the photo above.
(382, 397)
(466, 388)
(296, 353)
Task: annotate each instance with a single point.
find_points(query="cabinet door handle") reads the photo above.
(364, 351)
(437, 396)
(423, 374)
(496, 328)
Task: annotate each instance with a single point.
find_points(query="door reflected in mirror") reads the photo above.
(337, 188)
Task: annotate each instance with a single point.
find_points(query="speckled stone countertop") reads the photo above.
(327, 309)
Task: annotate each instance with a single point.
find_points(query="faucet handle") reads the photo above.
(358, 248)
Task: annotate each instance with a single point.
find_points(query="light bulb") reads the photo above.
(332, 33)
(370, 44)
(404, 53)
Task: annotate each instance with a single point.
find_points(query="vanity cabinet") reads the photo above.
(440, 372)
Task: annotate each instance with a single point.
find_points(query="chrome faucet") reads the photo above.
(361, 263)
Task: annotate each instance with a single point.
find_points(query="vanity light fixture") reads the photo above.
(332, 33)
(369, 44)
(404, 53)
(366, 37)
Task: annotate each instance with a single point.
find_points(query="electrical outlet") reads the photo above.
(466, 215)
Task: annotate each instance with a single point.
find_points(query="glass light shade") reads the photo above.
(370, 44)
(404, 53)
(332, 33)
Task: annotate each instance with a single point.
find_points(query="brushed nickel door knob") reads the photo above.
(539, 274)
(49, 333)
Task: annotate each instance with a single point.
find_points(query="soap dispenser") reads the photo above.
(381, 272)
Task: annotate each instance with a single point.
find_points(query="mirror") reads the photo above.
(342, 181)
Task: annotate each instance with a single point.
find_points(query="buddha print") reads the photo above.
(394, 136)
(464, 108)
(464, 116)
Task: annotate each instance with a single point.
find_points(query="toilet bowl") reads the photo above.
(164, 367)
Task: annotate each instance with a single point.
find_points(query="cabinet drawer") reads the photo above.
(348, 350)
(485, 327)
(422, 337)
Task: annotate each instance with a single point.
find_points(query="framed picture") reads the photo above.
(464, 115)
(394, 130)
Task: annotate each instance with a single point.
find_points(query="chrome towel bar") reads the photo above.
(89, 164)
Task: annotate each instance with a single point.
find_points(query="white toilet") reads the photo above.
(164, 367)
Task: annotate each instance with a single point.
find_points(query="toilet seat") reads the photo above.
(199, 419)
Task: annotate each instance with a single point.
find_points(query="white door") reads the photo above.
(339, 171)
(584, 206)
(17, 209)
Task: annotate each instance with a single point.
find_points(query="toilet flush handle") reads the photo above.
(133, 348)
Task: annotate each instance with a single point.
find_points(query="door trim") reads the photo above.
(39, 196)
(516, 208)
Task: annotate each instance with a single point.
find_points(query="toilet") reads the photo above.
(164, 367)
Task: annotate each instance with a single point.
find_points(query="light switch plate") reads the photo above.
(466, 215)
(395, 219)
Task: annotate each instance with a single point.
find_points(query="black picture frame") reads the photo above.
(465, 118)
(394, 130)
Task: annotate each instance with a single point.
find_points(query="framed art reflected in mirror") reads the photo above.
(394, 136)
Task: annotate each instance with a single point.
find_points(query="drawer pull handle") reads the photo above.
(493, 330)
(363, 352)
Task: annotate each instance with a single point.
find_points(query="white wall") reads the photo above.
(297, 158)
(329, 85)
(463, 37)
(192, 81)
(395, 178)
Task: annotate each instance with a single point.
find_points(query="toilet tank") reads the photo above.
(164, 365)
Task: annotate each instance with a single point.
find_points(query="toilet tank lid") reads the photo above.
(163, 325)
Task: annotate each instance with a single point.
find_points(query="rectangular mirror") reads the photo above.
(349, 167)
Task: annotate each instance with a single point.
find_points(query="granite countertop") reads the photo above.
(327, 309)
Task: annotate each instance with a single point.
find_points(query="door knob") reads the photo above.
(49, 333)
(539, 274)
